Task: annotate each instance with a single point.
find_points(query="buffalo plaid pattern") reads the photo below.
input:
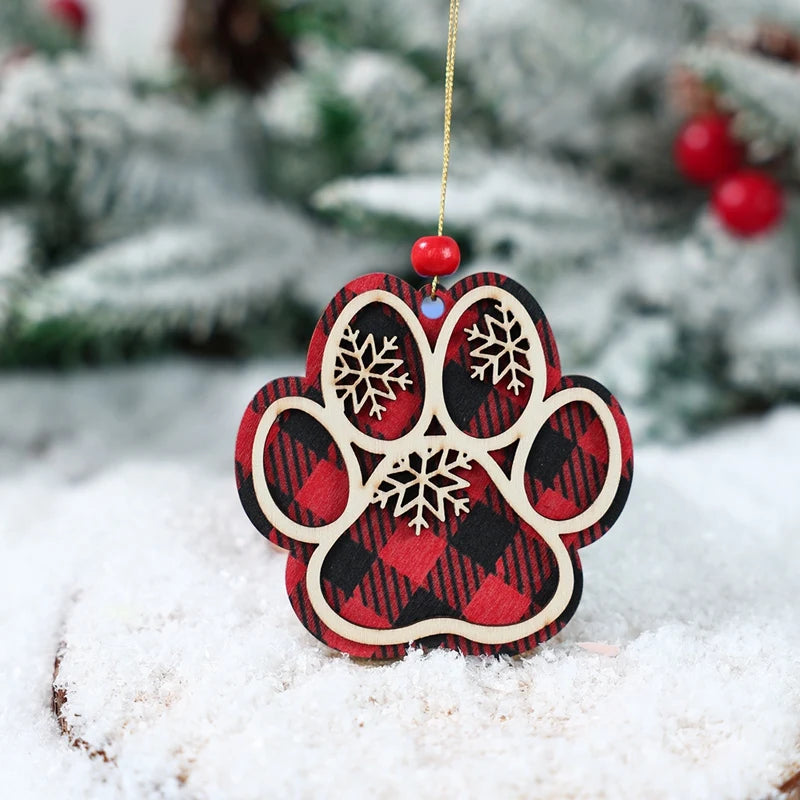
(487, 566)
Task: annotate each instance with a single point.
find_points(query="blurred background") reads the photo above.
(196, 178)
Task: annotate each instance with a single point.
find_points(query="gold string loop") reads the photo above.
(452, 35)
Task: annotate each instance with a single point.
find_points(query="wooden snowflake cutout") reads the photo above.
(365, 375)
(426, 483)
(503, 347)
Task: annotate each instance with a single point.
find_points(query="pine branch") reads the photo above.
(86, 140)
(15, 263)
(531, 209)
(24, 25)
(215, 275)
(764, 93)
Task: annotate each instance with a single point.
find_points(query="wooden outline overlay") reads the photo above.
(332, 417)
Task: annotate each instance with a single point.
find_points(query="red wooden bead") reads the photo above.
(435, 255)
(72, 13)
(705, 149)
(748, 203)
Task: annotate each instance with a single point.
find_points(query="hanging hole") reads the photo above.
(433, 307)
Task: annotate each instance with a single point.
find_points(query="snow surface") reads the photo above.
(122, 536)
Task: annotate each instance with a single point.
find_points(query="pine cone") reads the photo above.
(231, 42)
(778, 42)
(690, 94)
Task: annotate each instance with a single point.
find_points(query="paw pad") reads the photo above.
(433, 479)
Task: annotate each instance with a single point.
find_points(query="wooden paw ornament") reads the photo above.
(434, 475)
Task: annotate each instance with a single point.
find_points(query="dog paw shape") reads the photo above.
(433, 480)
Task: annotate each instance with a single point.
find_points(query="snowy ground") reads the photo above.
(122, 536)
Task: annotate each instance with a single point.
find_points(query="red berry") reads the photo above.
(705, 149)
(71, 13)
(435, 255)
(748, 202)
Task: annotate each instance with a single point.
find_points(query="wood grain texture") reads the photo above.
(59, 700)
(790, 788)
(433, 479)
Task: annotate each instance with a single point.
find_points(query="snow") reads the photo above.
(122, 537)
(539, 191)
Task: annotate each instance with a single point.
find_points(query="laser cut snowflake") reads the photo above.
(426, 483)
(365, 375)
(503, 347)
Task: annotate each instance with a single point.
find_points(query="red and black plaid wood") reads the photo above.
(487, 565)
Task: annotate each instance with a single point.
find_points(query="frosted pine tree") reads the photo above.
(139, 219)
(563, 175)
(135, 219)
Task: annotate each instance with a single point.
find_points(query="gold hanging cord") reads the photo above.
(452, 34)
